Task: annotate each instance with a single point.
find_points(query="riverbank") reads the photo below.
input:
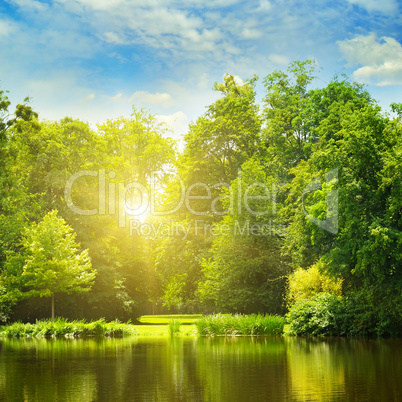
(75, 329)
(170, 325)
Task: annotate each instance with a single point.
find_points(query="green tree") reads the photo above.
(216, 146)
(288, 135)
(45, 156)
(17, 206)
(225, 137)
(50, 263)
(219, 142)
(298, 118)
(245, 271)
(366, 250)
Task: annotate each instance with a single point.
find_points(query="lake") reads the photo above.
(200, 369)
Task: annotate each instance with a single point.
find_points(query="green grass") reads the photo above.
(61, 327)
(219, 324)
(174, 326)
(163, 330)
(164, 319)
(238, 324)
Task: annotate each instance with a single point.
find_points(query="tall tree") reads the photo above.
(216, 146)
(288, 134)
(245, 271)
(50, 263)
(17, 206)
(225, 137)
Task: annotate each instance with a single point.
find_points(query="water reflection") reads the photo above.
(200, 369)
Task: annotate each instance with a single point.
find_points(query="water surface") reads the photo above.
(200, 369)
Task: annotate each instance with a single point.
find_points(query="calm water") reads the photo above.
(190, 369)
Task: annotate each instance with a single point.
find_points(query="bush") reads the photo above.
(306, 283)
(317, 316)
(356, 314)
(372, 313)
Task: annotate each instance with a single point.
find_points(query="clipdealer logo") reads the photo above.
(116, 198)
(331, 221)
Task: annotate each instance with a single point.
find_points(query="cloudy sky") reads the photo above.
(94, 59)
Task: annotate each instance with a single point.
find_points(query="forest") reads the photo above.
(291, 205)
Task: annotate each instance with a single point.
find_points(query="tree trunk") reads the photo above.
(52, 306)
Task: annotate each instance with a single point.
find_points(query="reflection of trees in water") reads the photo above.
(348, 369)
(206, 369)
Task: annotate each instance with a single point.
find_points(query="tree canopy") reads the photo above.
(49, 263)
(262, 202)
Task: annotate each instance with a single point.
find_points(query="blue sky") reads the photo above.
(94, 59)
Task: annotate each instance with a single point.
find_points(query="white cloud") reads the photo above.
(117, 96)
(264, 6)
(96, 4)
(6, 28)
(248, 33)
(158, 99)
(89, 97)
(163, 25)
(112, 37)
(177, 122)
(383, 6)
(380, 60)
(279, 59)
(31, 4)
(238, 81)
(204, 81)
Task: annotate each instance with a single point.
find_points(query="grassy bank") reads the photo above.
(238, 324)
(61, 327)
(219, 324)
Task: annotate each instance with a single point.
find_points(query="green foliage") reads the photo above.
(174, 326)
(288, 134)
(238, 324)
(177, 264)
(316, 316)
(306, 283)
(136, 148)
(367, 247)
(61, 327)
(245, 270)
(258, 222)
(50, 263)
(356, 314)
(225, 137)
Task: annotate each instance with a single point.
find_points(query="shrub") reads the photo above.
(356, 314)
(316, 316)
(306, 283)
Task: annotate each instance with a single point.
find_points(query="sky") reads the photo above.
(94, 59)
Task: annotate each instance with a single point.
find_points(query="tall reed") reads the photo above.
(239, 324)
(174, 326)
(61, 327)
